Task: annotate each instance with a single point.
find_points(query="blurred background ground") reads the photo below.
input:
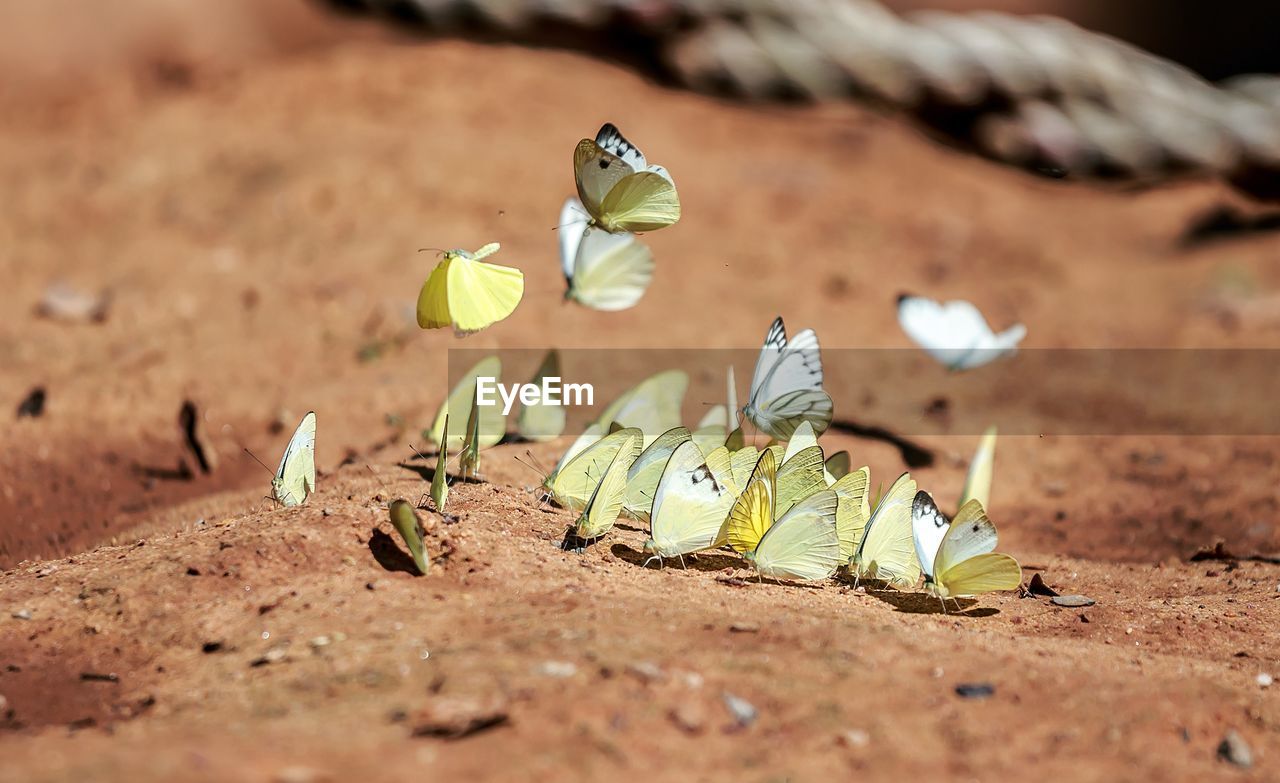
(250, 186)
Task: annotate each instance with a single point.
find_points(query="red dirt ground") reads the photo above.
(257, 228)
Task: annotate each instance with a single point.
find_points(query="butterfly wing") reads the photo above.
(690, 504)
(611, 272)
(928, 527)
(647, 470)
(801, 439)
(493, 424)
(752, 513)
(653, 405)
(798, 478)
(433, 299)
(981, 574)
(571, 228)
(852, 513)
(573, 484)
(610, 493)
(405, 520)
(295, 478)
(644, 201)
(977, 483)
(540, 421)
(803, 544)
(611, 140)
(786, 388)
(440, 476)
(481, 294)
(837, 466)
(888, 550)
(596, 172)
(970, 534)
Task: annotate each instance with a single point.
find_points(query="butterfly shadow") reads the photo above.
(389, 554)
(428, 474)
(702, 561)
(923, 603)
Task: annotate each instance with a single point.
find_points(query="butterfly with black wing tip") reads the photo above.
(955, 333)
(958, 556)
(786, 388)
(620, 191)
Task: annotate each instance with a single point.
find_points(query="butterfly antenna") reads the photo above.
(431, 250)
(537, 462)
(378, 479)
(260, 462)
(530, 467)
(415, 451)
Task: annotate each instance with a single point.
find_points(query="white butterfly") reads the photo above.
(963, 562)
(786, 388)
(295, 479)
(603, 271)
(618, 187)
(955, 333)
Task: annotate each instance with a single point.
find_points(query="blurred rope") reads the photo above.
(1036, 92)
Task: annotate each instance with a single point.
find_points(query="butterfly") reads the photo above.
(440, 477)
(769, 493)
(540, 421)
(468, 294)
(965, 562)
(469, 458)
(405, 520)
(295, 479)
(955, 333)
(575, 477)
(610, 493)
(887, 550)
(646, 471)
(786, 388)
(689, 505)
(603, 271)
(620, 191)
(653, 405)
(977, 483)
(493, 424)
(929, 525)
(803, 544)
(853, 511)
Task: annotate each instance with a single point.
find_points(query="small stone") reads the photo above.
(975, 690)
(743, 712)
(1264, 680)
(691, 680)
(4, 704)
(22, 614)
(742, 627)
(557, 669)
(1073, 601)
(1054, 489)
(689, 717)
(327, 512)
(274, 655)
(854, 738)
(319, 641)
(646, 671)
(1234, 750)
(459, 716)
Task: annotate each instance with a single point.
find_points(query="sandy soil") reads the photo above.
(257, 231)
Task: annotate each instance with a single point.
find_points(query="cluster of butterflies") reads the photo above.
(605, 266)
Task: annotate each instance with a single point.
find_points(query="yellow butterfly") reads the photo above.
(966, 563)
(609, 495)
(295, 479)
(645, 472)
(853, 511)
(977, 484)
(540, 421)
(405, 520)
(440, 478)
(575, 477)
(493, 424)
(689, 505)
(803, 544)
(469, 459)
(887, 551)
(618, 187)
(467, 294)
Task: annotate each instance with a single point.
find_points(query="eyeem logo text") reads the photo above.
(552, 392)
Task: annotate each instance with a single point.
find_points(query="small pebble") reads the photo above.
(459, 716)
(744, 628)
(319, 641)
(647, 671)
(1234, 750)
(1074, 601)
(689, 717)
(327, 512)
(743, 712)
(1264, 680)
(975, 690)
(558, 669)
(22, 614)
(855, 738)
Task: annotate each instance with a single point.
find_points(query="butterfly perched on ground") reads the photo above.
(647, 470)
(964, 561)
(803, 544)
(609, 494)
(619, 190)
(887, 550)
(603, 271)
(440, 476)
(786, 388)
(573, 481)
(955, 333)
(295, 479)
(468, 293)
(405, 520)
(493, 423)
(690, 503)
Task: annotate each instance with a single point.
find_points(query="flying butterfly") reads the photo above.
(602, 271)
(467, 293)
(619, 190)
(786, 388)
(955, 333)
